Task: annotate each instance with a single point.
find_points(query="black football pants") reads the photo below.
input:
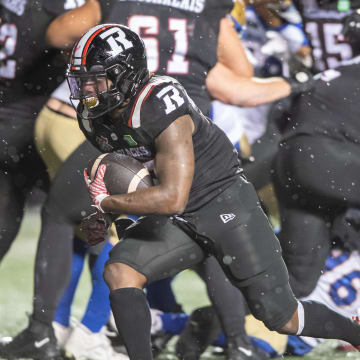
(21, 167)
(67, 203)
(315, 178)
(263, 151)
(234, 229)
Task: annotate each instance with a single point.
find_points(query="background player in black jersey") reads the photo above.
(29, 71)
(317, 171)
(323, 23)
(21, 102)
(333, 42)
(202, 203)
(22, 94)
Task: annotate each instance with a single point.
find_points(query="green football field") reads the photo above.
(16, 289)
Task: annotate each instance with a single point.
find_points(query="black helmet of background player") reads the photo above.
(107, 66)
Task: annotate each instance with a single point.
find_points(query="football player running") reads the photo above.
(316, 171)
(202, 204)
(60, 212)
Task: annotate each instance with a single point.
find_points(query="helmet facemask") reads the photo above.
(100, 91)
(95, 91)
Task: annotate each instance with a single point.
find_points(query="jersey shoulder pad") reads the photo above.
(160, 102)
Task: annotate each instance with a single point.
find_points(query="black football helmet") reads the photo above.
(107, 66)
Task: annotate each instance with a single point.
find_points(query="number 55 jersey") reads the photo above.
(180, 37)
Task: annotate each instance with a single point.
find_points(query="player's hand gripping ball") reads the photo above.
(97, 188)
(110, 174)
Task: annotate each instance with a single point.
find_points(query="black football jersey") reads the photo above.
(323, 25)
(180, 37)
(160, 102)
(332, 108)
(27, 66)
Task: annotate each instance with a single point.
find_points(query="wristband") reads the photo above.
(301, 82)
(98, 200)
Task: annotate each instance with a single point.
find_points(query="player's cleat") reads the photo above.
(36, 342)
(84, 344)
(159, 342)
(346, 347)
(201, 330)
(112, 334)
(241, 348)
(159, 339)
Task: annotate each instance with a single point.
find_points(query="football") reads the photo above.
(124, 174)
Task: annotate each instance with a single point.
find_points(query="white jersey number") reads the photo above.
(330, 51)
(148, 27)
(8, 39)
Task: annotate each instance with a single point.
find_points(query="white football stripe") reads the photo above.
(95, 166)
(136, 115)
(84, 39)
(136, 180)
(82, 43)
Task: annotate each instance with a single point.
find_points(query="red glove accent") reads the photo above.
(97, 187)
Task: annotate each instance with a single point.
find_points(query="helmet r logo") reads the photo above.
(117, 40)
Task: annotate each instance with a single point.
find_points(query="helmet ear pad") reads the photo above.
(117, 74)
(127, 81)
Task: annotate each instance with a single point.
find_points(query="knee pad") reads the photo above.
(302, 288)
(270, 297)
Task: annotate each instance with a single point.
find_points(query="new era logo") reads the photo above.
(227, 217)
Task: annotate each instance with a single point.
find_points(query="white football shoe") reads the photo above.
(62, 333)
(86, 345)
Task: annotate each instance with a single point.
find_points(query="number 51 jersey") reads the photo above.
(180, 37)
